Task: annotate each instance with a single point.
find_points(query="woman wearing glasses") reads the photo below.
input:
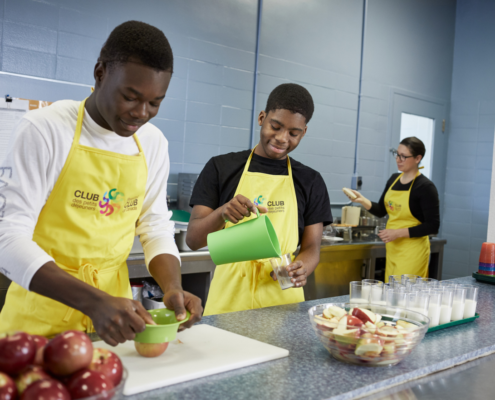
(411, 201)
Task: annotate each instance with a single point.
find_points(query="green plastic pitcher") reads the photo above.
(251, 240)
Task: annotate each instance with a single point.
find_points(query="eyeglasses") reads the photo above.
(402, 157)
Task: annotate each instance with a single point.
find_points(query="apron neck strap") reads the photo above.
(79, 123)
(400, 176)
(248, 163)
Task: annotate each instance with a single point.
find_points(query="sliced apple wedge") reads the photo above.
(342, 326)
(389, 348)
(370, 327)
(336, 311)
(328, 323)
(388, 331)
(369, 347)
(364, 315)
(407, 325)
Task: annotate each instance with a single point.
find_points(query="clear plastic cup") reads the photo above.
(429, 282)
(395, 278)
(410, 277)
(471, 300)
(372, 282)
(376, 292)
(359, 292)
(396, 298)
(418, 301)
(458, 303)
(435, 306)
(449, 284)
(446, 310)
(279, 266)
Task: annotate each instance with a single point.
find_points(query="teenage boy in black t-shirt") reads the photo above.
(227, 190)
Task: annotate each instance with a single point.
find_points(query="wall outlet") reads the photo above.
(356, 182)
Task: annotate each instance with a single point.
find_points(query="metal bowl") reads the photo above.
(362, 346)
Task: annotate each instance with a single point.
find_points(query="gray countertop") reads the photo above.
(311, 373)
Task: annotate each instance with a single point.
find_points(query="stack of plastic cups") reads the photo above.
(458, 303)
(471, 300)
(487, 259)
(447, 299)
(435, 306)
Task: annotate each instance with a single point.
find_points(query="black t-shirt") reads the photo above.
(423, 203)
(220, 177)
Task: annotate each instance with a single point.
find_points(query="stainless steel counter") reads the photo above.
(472, 380)
(340, 263)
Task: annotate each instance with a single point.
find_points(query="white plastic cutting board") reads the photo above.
(200, 351)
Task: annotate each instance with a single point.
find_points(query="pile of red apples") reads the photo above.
(63, 368)
(360, 336)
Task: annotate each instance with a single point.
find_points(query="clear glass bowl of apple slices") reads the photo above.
(368, 334)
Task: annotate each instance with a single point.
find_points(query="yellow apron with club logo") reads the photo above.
(88, 226)
(248, 285)
(404, 255)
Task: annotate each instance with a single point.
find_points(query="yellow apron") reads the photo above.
(88, 226)
(404, 255)
(248, 285)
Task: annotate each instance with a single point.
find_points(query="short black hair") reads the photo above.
(415, 146)
(292, 97)
(140, 42)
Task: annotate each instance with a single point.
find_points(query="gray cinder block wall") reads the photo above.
(51, 47)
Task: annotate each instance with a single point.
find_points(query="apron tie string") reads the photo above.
(88, 273)
(258, 275)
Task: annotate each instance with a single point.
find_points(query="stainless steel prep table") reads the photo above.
(340, 263)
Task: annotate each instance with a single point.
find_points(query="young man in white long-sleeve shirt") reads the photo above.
(67, 225)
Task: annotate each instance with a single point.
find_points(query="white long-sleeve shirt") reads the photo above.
(37, 153)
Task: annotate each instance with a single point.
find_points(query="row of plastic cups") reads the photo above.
(442, 302)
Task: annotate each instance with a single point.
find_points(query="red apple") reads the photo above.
(40, 342)
(86, 383)
(107, 363)
(46, 389)
(67, 353)
(359, 313)
(8, 391)
(29, 375)
(17, 351)
(150, 349)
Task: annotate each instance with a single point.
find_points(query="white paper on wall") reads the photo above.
(10, 115)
